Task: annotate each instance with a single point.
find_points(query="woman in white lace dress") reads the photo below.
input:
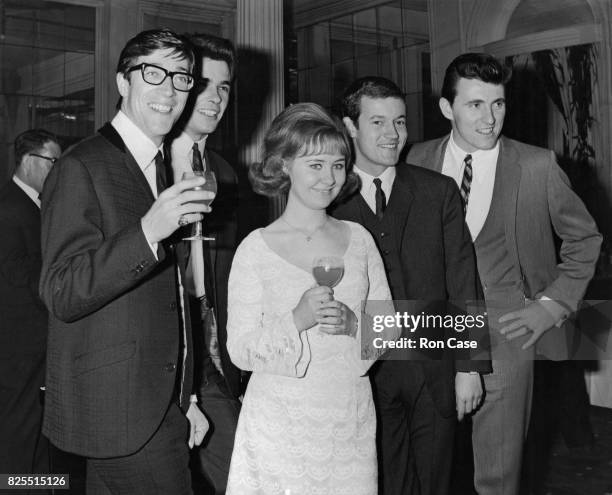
(307, 424)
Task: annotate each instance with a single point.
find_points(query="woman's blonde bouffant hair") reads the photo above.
(299, 130)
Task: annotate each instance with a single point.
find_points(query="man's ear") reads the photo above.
(446, 108)
(123, 84)
(350, 127)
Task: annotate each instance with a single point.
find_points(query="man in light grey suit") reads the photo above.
(517, 200)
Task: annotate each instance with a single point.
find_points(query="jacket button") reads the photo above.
(383, 234)
(386, 251)
(173, 306)
(170, 367)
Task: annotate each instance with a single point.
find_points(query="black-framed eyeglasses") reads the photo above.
(50, 158)
(155, 75)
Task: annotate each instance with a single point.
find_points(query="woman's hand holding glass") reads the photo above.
(336, 318)
(318, 306)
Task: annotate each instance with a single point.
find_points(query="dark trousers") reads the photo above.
(210, 462)
(160, 467)
(415, 442)
(23, 448)
(560, 408)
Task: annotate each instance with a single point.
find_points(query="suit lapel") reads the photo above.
(507, 181)
(113, 137)
(438, 158)
(400, 200)
(350, 209)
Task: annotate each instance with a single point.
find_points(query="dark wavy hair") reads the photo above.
(146, 42)
(480, 66)
(370, 86)
(299, 130)
(214, 48)
(32, 141)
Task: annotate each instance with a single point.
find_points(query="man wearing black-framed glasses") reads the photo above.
(23, 332)
(51, 159)
(120, 359)
(155, 75)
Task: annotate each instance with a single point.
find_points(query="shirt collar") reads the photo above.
(137, 142)
(386, 178)
(29, 190)
(183, 146)
(478, 156)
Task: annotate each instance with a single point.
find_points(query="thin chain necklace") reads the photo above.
(307, 236)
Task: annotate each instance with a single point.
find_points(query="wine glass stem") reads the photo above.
(197, 229)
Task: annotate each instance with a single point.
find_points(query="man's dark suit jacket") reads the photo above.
(437, 261)
(221, 224)
(114, 334)
(24, 316)
(23, 331)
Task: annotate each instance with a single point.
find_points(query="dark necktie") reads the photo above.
(207, 303)
(466, 182)
(381, 200)
(196, 161)
(161, 178)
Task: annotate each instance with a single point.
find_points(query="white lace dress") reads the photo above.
(307, 424)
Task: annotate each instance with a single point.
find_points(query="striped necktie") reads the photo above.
(466, 182)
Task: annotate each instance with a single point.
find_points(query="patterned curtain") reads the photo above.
(569, 75)
(568, 78)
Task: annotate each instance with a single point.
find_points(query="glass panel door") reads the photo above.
(47, 69)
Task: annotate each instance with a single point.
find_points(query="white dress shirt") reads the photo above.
(182, 155)
(484, 165)
(142, 149)
(368, 189)
(30, 191)
(140, 146)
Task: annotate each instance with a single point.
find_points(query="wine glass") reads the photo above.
(328, 270)
(209, 185)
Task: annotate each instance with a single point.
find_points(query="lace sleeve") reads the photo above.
(378, 302)
(257, 341)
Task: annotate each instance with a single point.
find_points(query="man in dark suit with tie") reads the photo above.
(217, 378)
(120, 355)
(23, 329)
(416, 219)
(518, 202)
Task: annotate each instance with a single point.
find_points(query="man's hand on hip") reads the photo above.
(538, 317)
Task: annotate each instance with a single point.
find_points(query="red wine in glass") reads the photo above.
(328, 270)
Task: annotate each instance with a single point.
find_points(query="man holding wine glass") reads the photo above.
(212, 244)
(120, 356)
